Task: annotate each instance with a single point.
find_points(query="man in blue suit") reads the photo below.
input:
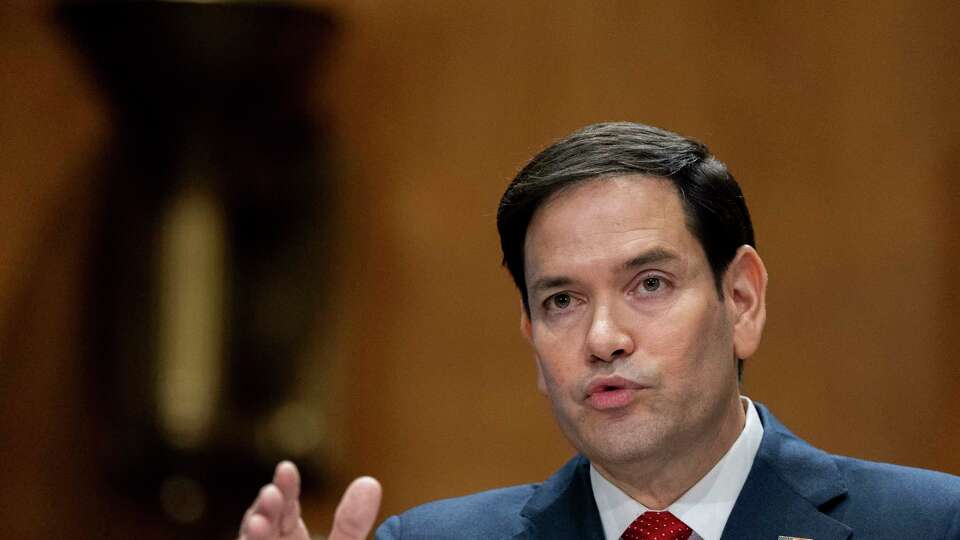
(642, 292)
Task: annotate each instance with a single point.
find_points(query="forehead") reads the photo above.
(608, 217)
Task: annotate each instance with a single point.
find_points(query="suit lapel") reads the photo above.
(563, 507)
(788, 490)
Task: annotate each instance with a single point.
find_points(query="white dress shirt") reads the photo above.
(706, 506)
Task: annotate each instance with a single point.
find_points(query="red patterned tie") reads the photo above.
(657, 526)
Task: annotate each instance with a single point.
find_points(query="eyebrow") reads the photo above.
(550, 282)
(656, 255)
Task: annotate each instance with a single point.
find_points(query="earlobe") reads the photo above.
(745, 285)
(525, 327)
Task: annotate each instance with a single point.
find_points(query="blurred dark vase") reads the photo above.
(209, 247)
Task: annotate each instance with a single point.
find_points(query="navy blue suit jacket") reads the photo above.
(793, 489)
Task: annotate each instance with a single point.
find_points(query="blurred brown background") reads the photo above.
(840, 121)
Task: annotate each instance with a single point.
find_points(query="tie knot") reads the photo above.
(657, 526)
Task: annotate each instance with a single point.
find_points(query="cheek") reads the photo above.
(691, 338)
(547, 368)
(554, 365)
(556, 346)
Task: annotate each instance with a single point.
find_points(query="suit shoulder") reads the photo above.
(882, 477)
(488, 514)
(891, 490)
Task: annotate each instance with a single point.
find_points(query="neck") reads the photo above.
(659, 480)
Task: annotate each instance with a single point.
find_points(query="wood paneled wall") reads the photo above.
(840, 121)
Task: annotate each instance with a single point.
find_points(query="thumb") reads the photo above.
(357, 510)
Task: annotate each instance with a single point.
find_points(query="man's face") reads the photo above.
(634, 346)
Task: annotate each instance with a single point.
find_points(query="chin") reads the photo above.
(619, 446)
(618, 454)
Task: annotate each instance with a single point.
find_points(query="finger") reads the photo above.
(290, 518)
(261, 520)
(287, 479)
(357, 510)
(257, 528)
(245, 522)
(270, 503)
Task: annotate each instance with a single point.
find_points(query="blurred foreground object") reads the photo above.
(208, 249)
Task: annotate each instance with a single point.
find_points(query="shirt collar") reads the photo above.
(706, 506)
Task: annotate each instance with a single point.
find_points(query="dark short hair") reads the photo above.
(716, 212)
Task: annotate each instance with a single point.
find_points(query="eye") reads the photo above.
(560, 301)
(651, 284)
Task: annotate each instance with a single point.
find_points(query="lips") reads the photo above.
(611, 392)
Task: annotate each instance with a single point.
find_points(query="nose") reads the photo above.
(609, 337)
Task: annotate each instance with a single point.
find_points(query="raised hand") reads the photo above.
(275, 514)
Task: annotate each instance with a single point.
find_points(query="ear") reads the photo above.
(745, 291)
(525, 325)
(526, 328)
